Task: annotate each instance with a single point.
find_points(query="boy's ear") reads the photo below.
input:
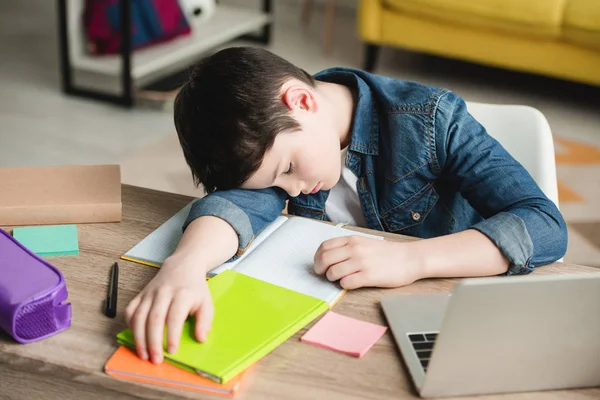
(299, 97)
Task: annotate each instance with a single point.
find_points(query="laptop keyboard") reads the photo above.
(423, 345)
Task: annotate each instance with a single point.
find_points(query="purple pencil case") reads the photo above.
(33, 294)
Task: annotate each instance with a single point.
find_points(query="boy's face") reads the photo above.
(304, 161)
(298, 162)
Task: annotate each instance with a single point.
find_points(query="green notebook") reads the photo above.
(252, 317)
(49, 240)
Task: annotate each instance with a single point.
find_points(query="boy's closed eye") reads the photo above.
(290, 170)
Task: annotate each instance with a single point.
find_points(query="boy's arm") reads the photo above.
(520, 220)
(463, 254)
(219, 226)
(522, 229)
(179, 289)
(358, 261)
(248, 212)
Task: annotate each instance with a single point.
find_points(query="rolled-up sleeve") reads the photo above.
(247, 211)
(519, 219)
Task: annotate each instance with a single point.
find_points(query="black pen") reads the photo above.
(111, 297)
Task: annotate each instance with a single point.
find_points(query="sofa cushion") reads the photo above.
(541, 18)
(582, 22)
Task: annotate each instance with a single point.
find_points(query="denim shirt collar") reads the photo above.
(365, 128)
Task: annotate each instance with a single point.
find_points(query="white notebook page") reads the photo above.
(287, 258)
(258, 240)
(161, 243)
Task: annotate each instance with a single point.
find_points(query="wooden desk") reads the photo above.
(70, 364)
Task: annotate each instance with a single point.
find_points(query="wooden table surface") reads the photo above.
(70, 364)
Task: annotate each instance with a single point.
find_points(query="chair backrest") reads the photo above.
(524, 132)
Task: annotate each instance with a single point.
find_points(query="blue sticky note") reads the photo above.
(50, 240)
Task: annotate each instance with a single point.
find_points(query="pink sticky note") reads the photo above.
(344, 334)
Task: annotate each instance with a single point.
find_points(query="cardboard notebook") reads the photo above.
(60, 195)
(125, 364)
(251, 318)
(282, 254)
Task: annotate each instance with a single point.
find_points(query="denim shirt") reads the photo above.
(425, 168)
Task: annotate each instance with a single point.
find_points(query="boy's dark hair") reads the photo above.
(229, 112)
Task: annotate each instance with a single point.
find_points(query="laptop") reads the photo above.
(501, 335)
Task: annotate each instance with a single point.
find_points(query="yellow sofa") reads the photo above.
(558, 38)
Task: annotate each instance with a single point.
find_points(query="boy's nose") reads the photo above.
(294, 189)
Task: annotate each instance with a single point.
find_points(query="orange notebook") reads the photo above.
(125, 364)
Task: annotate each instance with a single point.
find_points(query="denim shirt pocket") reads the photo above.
(411, 212)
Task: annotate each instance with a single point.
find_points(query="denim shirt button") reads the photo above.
(415, 215)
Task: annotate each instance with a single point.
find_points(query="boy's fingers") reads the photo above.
(131, 309)
(204, 317)
(333, 243)
(178, 312)
(341, 270)
(138, 326)
(325, 259)
(353, 281)
(155, 325)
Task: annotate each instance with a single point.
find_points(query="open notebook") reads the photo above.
(282, 254)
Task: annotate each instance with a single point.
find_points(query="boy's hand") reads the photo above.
(358, 261)
(178, 290)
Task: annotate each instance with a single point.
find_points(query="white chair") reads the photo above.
(525, 134)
